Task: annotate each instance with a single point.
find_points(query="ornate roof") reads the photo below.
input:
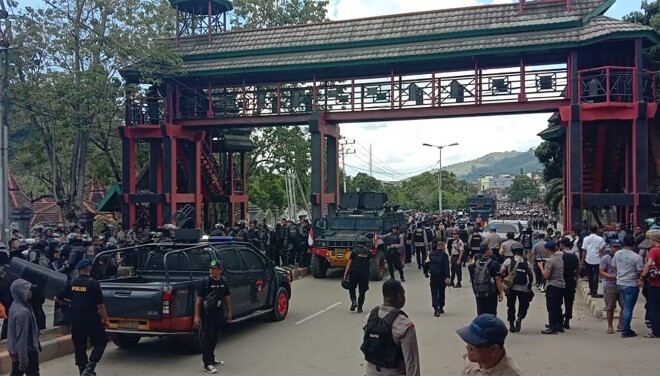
(414, 37)
(594, 31)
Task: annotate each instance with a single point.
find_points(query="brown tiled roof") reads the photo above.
(387, 29)
(595, 29)
(18, 199)
(96, 192)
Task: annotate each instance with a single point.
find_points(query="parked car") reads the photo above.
(157, 297)
(505, 226)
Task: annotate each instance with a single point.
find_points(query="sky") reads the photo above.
(397, 149)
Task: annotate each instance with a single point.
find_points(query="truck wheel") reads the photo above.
(377, 268)
(319, 267)
(281, 305)
(125, 341)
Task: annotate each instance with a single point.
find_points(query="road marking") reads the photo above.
(317, 313)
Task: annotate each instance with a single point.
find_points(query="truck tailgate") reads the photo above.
(133, 301)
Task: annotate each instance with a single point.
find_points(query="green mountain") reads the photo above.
(509, 162)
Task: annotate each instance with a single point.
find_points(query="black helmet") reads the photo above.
(362, 239)
(517, 247)
(345, 283)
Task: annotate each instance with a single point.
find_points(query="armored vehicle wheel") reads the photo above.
(319, 267)
(377, 268)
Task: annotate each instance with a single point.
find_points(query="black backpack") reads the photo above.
(378, 344)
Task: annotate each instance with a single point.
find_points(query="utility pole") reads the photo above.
(344, 150)
(5, 27)
(371, 168)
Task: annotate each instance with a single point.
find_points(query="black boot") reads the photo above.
(518, 325)
(402, 278)
(512, 327)
(81, 369)
(360, 309)
(567, 324)
(436, 313)
(353, 305)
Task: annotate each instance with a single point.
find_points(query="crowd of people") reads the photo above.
(552, 261)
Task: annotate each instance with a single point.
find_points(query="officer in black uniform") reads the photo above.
(358, 272)
(437, 265)
(89, 317)
(212, 303)
(76, 254)
(394, 247)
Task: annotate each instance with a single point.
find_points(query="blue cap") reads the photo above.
(492, 227)
(615, 243)
(485, 328)
(550, 245)
(655, 227)
(83, 263)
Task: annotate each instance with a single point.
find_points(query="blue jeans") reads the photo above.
(629, 295)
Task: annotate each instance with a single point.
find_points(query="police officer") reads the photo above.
(437, 265)
(169, 230)
(88, 317)
(302, 236)
(474, 242)
(252, 234)
(357, 271)
(421, 243)
(521, 290)
(394, 246)
(77, 253)
(212, 303)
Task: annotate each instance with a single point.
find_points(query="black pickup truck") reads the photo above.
(156, 296)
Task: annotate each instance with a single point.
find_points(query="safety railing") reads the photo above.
(431, 90)
(146, 111)
(615, 84)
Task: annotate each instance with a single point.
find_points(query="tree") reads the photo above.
(364, 183)
(523, 187)
(65, 89)
(551, 156)
(255, 14)
(649, 15)
(554, 194)
(278, 150)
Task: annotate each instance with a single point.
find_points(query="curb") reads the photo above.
(596, 305)
(50, 350)
(60, 346)
(298, 273)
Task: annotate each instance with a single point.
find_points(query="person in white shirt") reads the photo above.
(594, 246)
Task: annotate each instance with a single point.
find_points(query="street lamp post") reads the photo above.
(440, 170)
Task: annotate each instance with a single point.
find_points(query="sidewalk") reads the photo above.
(56, 342)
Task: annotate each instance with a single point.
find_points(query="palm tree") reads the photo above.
(554, 194)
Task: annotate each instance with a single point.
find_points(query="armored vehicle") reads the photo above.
(364, 213)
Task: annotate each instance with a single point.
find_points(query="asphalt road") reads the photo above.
(321, 337)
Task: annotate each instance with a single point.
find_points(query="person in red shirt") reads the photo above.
(652, 271)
